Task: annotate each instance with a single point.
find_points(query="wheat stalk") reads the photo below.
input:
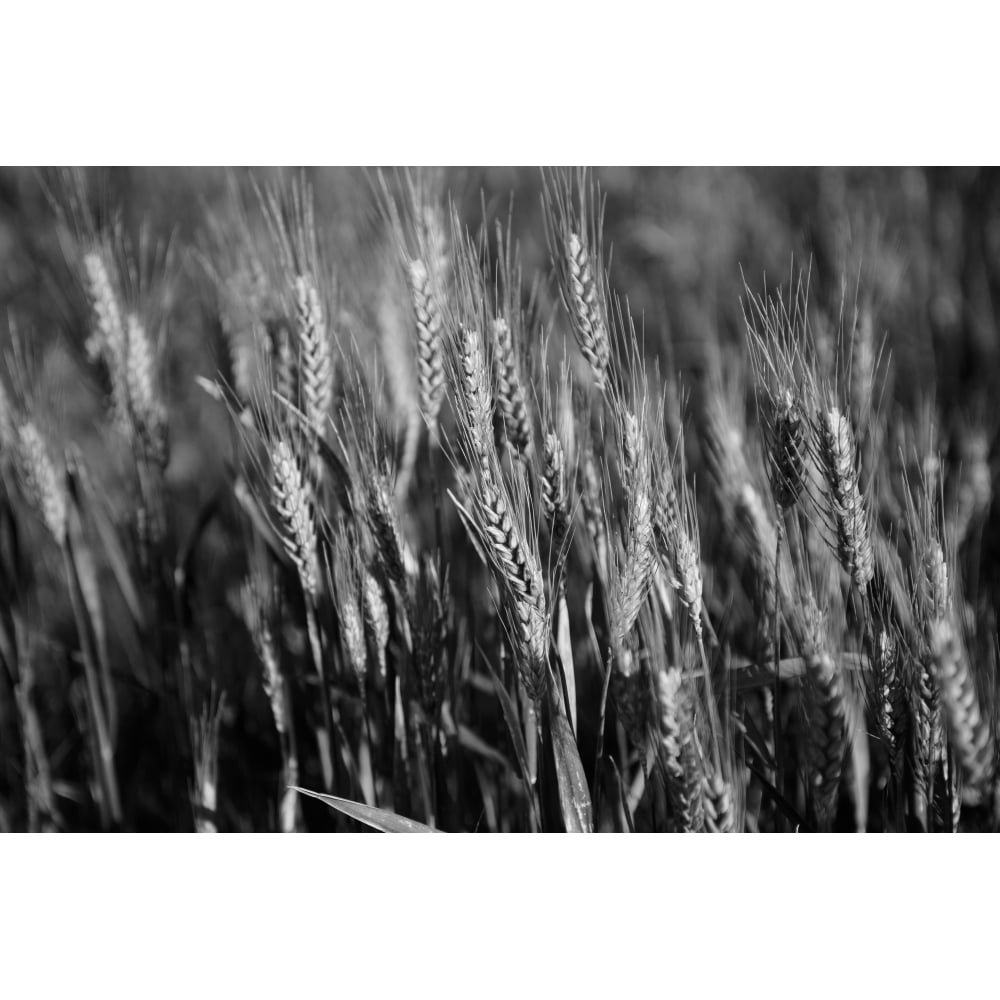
(826, 711)
(678, 550)
(42, 482)
(968, 728)
(476, 401)
(145, 405)
(890, 704)
(678, 752)
(591, 495)
(205, 744)
(377, 618)
(838, 454)
(787, 454)
(297, 522)
(430, 635)
(635, 574)
(255, 617)
(630, 689)
(720, 807)
(554, 493)
(384, 522)
(430, 344)
(315, 356)
(519, 570)
(586, 310)
(510, 395)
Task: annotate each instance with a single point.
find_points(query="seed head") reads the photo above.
(43, 484)
(315, 357)
(430, 346)
(297, 525)
(586, 310)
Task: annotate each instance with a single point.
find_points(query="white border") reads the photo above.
(822, 916)
(525, 81)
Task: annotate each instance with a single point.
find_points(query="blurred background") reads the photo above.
(923, 242)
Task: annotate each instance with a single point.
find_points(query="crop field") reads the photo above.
(499, 500)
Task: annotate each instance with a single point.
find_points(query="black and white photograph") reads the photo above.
(500, 500)
(499, 423)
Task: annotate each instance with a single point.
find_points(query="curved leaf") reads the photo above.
(378, 819)
(574, 795)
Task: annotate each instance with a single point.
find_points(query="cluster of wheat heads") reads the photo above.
(486, 565)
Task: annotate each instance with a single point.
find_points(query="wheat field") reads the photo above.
(499, 500)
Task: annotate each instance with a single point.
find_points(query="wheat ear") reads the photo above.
(430, 344)
(586, 310)
(510, 395)
(633, 580)
(554, 495)
(968, 728)
(145, 405)
(255, 617)
(826, 708)
(678, 752)
(838, 454)
(315, 356)
(377, 618)
(297, 523)
(520, 572)
(477, 404)
(42, 482)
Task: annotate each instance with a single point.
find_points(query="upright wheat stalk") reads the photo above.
(43, 484)
(297, 523)
(430, 344)
(826, 712)
(510, 395)
(838, 453)
(587, 310)
(678, 752)
(315, 356)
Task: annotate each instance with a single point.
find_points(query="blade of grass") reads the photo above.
(574, 795)
(514, 728)
(378, 819)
